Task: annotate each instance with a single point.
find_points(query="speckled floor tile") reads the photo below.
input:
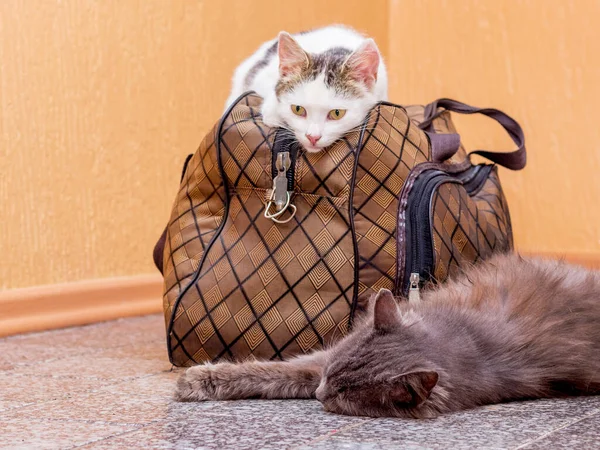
(156, 350)
(5, 365)
(581, 434)
(237, 425)
(14, 353)
(100, 367)
(11, 404)
(67, 337)
(499, 426)
(102, 335)
(281, 408)
(29, 388)
(331, 444)
(110, 385)
(569, 407)
(112, 408)
(161, 385)
(18, 433)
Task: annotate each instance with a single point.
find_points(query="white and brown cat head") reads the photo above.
(318, 84)
(320, 97)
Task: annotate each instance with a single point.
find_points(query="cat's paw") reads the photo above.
(195, 385)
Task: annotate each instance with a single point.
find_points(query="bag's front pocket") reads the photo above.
(453, 220)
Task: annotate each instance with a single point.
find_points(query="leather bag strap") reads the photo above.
(514, 160)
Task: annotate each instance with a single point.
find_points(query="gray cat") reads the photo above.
(507, 329)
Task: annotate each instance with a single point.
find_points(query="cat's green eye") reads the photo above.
(336, 114)
(299, 110)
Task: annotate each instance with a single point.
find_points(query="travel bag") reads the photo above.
(271, 251)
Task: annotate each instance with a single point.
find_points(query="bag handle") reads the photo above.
(514, 160)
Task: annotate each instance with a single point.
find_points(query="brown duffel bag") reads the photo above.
(272, 251)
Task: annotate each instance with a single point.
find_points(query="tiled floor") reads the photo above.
(109, 386)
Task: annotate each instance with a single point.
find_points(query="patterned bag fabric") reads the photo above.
(272, 251)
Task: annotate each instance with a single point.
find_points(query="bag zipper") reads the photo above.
(280, 194)
(283, 144)
(283, 164)
(419, 254)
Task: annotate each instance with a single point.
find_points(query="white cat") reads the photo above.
(319, 84)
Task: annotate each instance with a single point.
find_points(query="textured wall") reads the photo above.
(100, 101)
(537, 60)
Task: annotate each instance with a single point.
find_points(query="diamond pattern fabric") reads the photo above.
(468, 229)
(239, 285)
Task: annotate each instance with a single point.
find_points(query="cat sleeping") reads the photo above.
(507, 329)
(319, 84)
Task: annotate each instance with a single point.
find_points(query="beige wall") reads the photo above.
(100, 101)
(538, 60)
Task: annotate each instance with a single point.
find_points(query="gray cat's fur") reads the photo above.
(507, 329)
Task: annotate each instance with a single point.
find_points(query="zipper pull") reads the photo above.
(280, 183)
(280, 196)
(414, 293)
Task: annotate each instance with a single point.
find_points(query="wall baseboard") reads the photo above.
(64, 305)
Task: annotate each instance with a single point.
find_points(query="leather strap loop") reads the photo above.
(443, 146)
(514, 160)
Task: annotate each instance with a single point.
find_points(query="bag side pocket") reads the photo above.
(469, 222)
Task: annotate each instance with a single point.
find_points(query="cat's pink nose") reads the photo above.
(313, 139)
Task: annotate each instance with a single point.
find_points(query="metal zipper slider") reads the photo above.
(414, 293)
(280, 183)
(280, 196)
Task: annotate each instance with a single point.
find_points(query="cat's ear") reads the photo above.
(385, 312)
(363, 63)
(413, 388)
(292, 59)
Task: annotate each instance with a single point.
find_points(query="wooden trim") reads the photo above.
(79, 303)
